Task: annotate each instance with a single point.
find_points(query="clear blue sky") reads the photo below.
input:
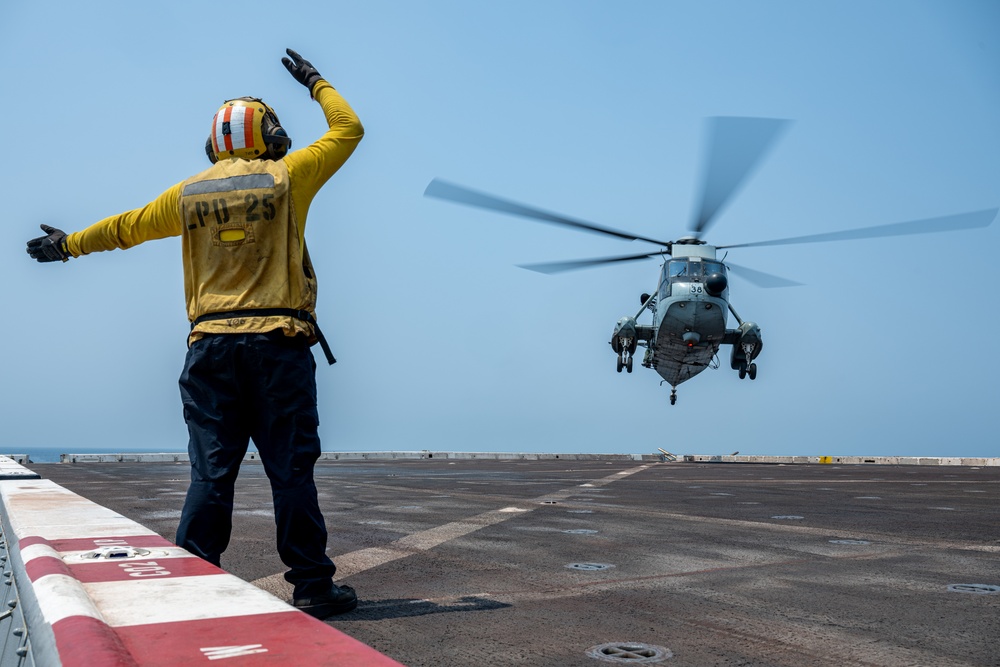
(591, 109)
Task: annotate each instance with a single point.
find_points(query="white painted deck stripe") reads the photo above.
(34, 551)
(355, 562)
(365, 559)
(61, 596)
(165, 600)
(41, 507)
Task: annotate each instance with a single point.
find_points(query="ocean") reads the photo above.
(51, 454)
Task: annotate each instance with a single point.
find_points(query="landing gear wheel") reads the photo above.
(673, 397)
(628, 364)
(743, 369)
(752, 371)
(620, 364)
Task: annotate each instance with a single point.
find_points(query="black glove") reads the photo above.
(301, 69)
(51, 248)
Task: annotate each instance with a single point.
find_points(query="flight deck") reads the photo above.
(566, 562)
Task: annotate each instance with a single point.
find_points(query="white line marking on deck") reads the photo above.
(222, 652)
(355, 562)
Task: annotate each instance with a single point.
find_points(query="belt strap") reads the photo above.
(303, 315)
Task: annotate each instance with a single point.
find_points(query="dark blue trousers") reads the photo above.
(261, 387)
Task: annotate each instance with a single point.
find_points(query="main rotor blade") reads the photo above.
(948, 223)
(735, 146)
(461, 195)
(573, 265)
(759, 278)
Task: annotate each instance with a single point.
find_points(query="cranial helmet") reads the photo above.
(246, 128)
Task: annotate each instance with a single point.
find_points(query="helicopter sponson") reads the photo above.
(747, 344)
(625, 338)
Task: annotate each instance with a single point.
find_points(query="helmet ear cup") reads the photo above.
(209, 151)
(277, 142)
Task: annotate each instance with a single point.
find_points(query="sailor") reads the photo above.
(251, 298)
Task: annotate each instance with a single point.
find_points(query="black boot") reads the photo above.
(339, 600)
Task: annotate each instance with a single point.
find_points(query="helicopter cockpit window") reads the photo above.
(714, 267)
(677, 268)
(683, 270)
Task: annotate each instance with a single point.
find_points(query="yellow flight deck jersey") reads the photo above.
(242, 224)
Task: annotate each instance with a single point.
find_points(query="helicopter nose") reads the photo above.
(691, 338)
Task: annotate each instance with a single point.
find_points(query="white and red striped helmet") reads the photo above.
(246, 128)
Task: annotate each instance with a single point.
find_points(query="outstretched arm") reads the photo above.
(156, 220)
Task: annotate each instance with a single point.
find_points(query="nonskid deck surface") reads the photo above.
(483, 562)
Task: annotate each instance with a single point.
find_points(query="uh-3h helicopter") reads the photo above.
(690, 306)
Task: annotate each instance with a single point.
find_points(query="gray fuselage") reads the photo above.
(689, 320)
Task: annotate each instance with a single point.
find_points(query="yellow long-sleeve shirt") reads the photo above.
(307, 168)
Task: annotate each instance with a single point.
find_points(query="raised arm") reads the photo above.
(310, 167)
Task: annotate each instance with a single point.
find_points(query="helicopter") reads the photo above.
(690, 305)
